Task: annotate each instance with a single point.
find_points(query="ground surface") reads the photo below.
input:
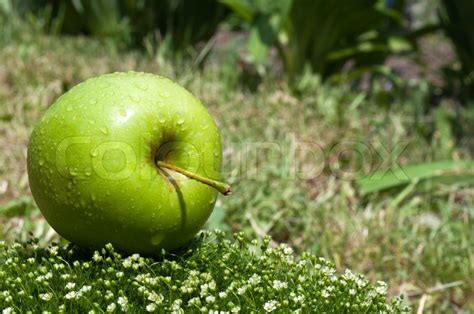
(419, 242)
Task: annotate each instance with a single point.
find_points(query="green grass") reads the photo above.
(213, 274)
(418, 241)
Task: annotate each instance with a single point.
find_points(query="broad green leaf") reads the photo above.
(433, 174)
(261, 38)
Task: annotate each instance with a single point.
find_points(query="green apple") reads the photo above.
(130, 159)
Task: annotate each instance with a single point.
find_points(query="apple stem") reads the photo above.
(222, 187)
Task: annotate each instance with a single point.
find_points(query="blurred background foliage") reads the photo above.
(330, 72)
(338, 40)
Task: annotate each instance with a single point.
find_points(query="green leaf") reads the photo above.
(399, 44)
(262, 37)
(217, 220)
(18, 207)
(432, 174)
(241, 8)
(444, 136)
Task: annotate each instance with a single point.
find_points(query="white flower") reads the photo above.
(155, 297)
(123, 302)
(59, 266)
(360, 282)
(8, 310)
(54, 250)
(381, 288)
(278, 285)
(241, 290)
(70, 285)
(212, 285)
(302, 263)
(348, 274)
(109, 295)
(204, 289)
(71, 295)
(352, 292)
(298, 298)
(270, 306)
(176, 306)
(222, 294)
(127, 263)
(85, 289)
(97, 257)
(151, 307)
(45, 296)
(31, 260)
(210, 299)
(288, 250)
(255, 279)
(235, 309)
(111, 307)
(119, 274)
(194, 301)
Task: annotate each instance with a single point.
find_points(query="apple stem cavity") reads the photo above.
(222, 187)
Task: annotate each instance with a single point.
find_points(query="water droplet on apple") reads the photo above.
(162, 120)
(93, 153)
(41, 162)
(73, 172)
(180, 121)
(141, 86)
(103, 85)
(69, 108)
(157, 238)
(104, 130)
(93, 101)
(134, 97)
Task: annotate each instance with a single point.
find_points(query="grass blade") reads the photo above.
(437, 173)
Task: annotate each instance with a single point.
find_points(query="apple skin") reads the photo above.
(92, 171)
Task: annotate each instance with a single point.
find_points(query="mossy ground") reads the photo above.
(212, 274)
